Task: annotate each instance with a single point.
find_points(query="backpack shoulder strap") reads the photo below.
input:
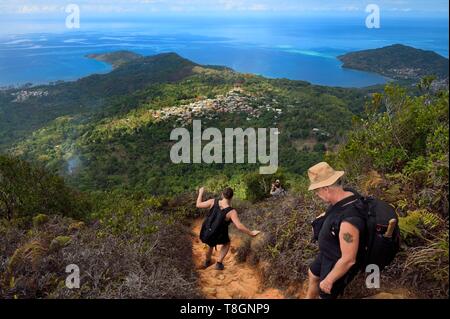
(227, 210)
(360, 212)
(216, 204)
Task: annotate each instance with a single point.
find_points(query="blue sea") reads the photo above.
(294, 48)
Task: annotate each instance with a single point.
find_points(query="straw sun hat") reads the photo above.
(322, 175)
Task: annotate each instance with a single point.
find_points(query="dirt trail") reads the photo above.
(237, 280)
(240, 280)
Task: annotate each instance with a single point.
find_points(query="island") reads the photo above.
(116, 58)
(398, 62)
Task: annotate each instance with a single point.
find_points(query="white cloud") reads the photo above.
(400, 9)
(258, 7)
(30, 9)
(351, 8)
(144, 6)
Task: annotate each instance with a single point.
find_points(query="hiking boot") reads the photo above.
(219, 266)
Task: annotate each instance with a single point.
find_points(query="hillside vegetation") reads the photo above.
(26, 110)
(399, 155)
(125, 143)
(97, 188)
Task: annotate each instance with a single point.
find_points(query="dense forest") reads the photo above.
(88, 179)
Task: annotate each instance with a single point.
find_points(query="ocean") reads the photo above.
(294, 48)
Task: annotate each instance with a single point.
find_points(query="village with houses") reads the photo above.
(235, 101)
(24, 95)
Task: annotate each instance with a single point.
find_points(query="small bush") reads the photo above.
(59, 242)
(39, 219)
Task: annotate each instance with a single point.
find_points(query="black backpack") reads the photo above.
(213, 226)
(380, 247)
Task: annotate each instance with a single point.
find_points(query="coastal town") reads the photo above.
(24, 95)
(235, 101)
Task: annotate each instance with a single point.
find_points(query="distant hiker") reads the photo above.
(215, 227)
(354, 232)
(277, 189)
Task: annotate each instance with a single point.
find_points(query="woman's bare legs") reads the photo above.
(223, 252)
(208, 256)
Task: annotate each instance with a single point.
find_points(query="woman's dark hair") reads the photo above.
(228, 193)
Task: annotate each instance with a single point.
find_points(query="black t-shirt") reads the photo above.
(343, 210)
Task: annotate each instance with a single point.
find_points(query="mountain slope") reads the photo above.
(119, 154)
(25, 110)
(127, 143)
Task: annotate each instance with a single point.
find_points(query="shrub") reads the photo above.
(407, 129)
(217, 184)
(39, 219)
(153, 265)
(59, 242)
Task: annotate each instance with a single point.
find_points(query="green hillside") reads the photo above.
(23, 111)
(125, 143)
(95, 186)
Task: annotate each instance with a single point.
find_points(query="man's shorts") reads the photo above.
(322, 266)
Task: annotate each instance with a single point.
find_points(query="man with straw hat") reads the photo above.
(338, 231)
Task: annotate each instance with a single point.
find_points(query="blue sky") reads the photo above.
(27, 8)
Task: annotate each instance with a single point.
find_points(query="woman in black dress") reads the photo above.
(231, 216)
